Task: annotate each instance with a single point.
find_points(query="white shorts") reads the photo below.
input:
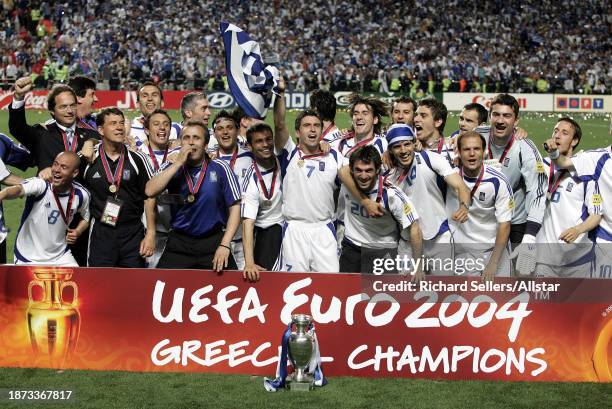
(548, 270)
(65, 260)
(310, 247)
(471, 261)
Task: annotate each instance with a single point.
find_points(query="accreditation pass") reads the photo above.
(111, 211)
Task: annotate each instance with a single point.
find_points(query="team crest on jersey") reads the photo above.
(597, 200)
(213, 176)
(540, 167)
(569, 187)
(506, 162)
(511, 204)
(481, 196)
(126, 174)
(321, 166)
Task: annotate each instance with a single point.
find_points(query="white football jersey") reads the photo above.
(492, 203)
(570, 204)
(424, 184)
(137, 131)
(378, 232)
(164, 213)
(331, 134)
(348, 144)
(596, 165)
(240, 162)
(445, 148)
(309, 184)
(265, 211)
(42, 234)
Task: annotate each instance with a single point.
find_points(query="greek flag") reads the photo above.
(251, 82)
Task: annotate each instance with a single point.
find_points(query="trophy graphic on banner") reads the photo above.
(53, 324)
(301, 348)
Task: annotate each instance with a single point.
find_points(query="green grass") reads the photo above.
(176, 390)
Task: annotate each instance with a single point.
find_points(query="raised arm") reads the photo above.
(18, 125)
(158, 183)
(281, 132)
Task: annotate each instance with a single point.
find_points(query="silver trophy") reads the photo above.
(301, 347)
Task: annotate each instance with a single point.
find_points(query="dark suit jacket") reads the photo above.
(43, 142)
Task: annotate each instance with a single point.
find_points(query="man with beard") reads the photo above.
(367, 238)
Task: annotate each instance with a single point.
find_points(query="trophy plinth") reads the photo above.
(53, 324)
(301, 347)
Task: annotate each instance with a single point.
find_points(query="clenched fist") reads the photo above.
(22, 86)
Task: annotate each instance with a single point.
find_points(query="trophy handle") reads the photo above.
(31, 285)
(74, 288)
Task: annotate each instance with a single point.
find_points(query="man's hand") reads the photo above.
(147, 245)
(525, 255)
(550, 145)
(22, 86)
(72, 236)
(520, 133)
(569, 235)
(461, 215)
(221, 258)
(175, 143)
(251, 272)
(373, 208)
(418, 146)
(88, 151)
(418, 275)
(46, 174)
(281, 84)
(180, 157)
(325, 147)
(489, 272)
(386, 160)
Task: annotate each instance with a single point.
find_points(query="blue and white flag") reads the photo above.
(250, 81)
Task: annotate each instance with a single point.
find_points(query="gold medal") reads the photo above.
(266, 204)
(112, 188)
(301, 163)
(191, 198)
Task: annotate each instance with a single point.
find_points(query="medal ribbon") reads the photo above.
(478, 181)
(68, 213)
(267, 195)
(195, 189)
(440, 144)
(552, 187)
(113, 179)
(310, 156)
(232, 160)
(67, 146)
(154, 158)
(358, 145)
(506, 150)
(326, 131)
(381, 185)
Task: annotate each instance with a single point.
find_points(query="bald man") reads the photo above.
(44, 233)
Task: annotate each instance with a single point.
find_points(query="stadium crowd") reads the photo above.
(244, 195)
(495, 46)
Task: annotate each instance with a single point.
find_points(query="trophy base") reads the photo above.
(300, 386)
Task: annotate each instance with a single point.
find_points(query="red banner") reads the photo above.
(198, 321)
(119, 99)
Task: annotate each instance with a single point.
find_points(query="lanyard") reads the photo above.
(552, 187)
(154, 158)
(506, 150)
(326, 131)
(194, 189)
(114, 179)
(68, 213)
(478, 181)
(267, 194)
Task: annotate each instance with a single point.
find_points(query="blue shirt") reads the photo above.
(209, 212)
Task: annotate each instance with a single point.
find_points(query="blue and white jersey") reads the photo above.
(210, 210)
(4, 173)
(309, 184)
(571, 203)
(492, 203)
(331, 134)
(347, 145)
(424, 184)
(266, 212)
(42, 234)
(241, 164)
(596, 165)
(137, 131)
(378, 232)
